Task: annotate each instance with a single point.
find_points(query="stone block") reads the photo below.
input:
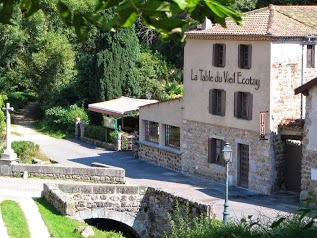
(104, 189)
(124, 189)
(5, 170)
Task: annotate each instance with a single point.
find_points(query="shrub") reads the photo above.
(27, 151)
(64, 118)
(95, 132)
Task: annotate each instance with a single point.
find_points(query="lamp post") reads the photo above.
(227, 154)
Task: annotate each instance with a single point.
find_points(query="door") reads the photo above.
(293, 164)
(244, 166)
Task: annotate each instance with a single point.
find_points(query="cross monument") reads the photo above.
(8, 156)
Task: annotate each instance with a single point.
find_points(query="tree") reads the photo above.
(163, 16)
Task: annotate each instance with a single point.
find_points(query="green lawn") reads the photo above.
(14, 219)
(63, 227)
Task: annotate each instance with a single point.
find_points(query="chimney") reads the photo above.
(207, 24)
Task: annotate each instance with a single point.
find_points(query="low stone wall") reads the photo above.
(144, 209)
(160, 156)
(110, 175)
(99, 143)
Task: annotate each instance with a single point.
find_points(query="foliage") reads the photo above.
(95, 132)
(166, 17)
(14, 219)
(3, 98)
(61, 226)
(159, 79)
(27, 151)
(19, 100)
(300, 224)
(100, 133)
(64, 118)
(49, 60)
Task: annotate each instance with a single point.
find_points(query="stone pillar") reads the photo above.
(8, 157)
(82, 128)
(77, 127)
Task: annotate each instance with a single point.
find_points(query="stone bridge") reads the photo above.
(142, 208)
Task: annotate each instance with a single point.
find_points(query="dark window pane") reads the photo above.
(152, 131)
(172, 136)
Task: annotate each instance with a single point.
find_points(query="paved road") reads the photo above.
(73, 152)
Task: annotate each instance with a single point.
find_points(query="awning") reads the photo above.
(118, 107)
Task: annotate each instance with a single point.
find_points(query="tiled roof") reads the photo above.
(275, 21)
(292, 124)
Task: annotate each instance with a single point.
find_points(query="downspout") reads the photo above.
(302, 113)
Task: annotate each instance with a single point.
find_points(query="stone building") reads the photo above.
(238, 88)
(309, 160)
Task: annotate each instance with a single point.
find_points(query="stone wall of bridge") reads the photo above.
(144, 209)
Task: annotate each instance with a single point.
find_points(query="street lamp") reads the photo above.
(227, 154)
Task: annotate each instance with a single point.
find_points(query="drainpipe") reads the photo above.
(302, 114)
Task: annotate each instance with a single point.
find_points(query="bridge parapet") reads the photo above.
(143, 208)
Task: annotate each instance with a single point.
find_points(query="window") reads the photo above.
(217, 102)
(219, 55)
(152, 131)
(243, 105)
(215, 155)
(172, 136)
(310, 56)
(245, 53)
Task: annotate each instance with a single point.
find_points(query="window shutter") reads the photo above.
(224, 55)
(222, 159)
(249, 56)
(250, 106)
(223, 103)
(214, 55)
(214, 101)
(237, 104)
(210, 100)
(211, 150)
(240, 56)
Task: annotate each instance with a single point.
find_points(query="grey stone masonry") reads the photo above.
(144, 209)
(195, 155)
(309, 159)
(111, 175)
(164, 157)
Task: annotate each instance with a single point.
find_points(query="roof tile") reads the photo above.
(277, 21)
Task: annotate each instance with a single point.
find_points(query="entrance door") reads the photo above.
(244, 166)
(293, 164)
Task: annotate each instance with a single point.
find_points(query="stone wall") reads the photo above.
(142, 208)
(309, 159)
(279, 155)
(195, 155)
(160, 156)
(98, 175)
(286, 76)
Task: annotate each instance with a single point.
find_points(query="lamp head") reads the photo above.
(227, 152)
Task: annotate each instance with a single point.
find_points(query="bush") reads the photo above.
(300, 224)
(99, 133)
(95, 132)
(64, 118)
(27, 151)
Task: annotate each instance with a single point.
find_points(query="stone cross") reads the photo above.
(8, 154)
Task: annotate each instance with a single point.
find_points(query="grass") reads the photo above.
(63, 227)
(14, 219)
